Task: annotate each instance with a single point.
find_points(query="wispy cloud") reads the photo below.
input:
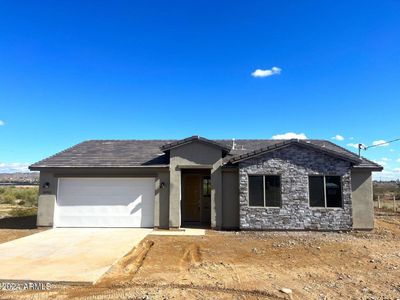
(392, 150)
(385, 159)
(398, 160)
(379, 143)
(14, 167)
(2, 123)
(259, 73)
(353, 145)
(290, 135)
(381, 162)
(387, 174)
(338, 137)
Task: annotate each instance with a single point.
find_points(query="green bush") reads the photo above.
(23, 212)
(8, 195)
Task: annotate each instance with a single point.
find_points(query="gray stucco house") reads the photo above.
(222, 184)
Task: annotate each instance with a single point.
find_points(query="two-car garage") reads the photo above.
(105, 202)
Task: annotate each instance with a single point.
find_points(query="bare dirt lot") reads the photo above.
(251, 265)
(17, 227)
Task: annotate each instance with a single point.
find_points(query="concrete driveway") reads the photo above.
(67, 254)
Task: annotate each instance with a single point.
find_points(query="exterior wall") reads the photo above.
(195, 154)
(48, 196)
(161, 207)
(230, 199)
(362, 195)
(294, 164)
(45, 214)
(47, 199)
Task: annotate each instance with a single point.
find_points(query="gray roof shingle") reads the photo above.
(149, 153)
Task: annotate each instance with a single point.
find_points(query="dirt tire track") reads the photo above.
(191, 257)
(128, 265)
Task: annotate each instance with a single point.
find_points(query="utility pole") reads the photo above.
(360, 146)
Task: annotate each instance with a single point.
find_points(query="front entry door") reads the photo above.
(191, 198)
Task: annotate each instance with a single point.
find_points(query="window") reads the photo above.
(264, 191)
(325, 191)
(272, 190)
(317, 194)
(333, 191)
(206, 187)
(256, 195)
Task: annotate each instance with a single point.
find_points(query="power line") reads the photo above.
(363, 147)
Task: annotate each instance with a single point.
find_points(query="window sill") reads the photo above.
(327, 208)
(278, 207)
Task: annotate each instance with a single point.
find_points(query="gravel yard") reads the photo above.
(251, 265)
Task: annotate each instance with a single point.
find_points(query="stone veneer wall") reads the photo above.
(294, 164)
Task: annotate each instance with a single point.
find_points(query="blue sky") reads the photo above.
(77, 70)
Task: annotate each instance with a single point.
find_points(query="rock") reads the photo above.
(286, 291)
(19, 202)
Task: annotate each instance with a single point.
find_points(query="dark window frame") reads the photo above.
(263, 189)
(206, 186)
(324, 188)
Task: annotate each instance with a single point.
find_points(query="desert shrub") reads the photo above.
(23, 212)
(28, 194)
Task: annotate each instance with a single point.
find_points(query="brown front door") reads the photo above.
(191, 198)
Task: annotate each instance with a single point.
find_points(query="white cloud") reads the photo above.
(385, 159)
(387, 174)
(379, 142)
(289, 135)
(266, 73)
(338, 137)
(13, 167)
(381, 162)
(392, 150)
(2, 123)
(398, 160)
(353, 145)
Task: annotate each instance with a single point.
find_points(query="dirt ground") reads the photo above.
(14, 228)
(251, 265)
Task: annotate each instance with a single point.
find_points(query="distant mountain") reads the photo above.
(20, 178)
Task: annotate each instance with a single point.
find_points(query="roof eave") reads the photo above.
(41, 168)
(372, 169)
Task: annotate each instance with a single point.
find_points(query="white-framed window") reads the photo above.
(325, 191)
(264, 190)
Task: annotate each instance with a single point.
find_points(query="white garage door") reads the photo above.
(105, 202)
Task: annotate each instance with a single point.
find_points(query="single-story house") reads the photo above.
(221, 184)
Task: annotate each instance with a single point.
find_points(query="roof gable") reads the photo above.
(195, 138)
(301, 143)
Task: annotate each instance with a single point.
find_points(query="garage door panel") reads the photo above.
(105, 202)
